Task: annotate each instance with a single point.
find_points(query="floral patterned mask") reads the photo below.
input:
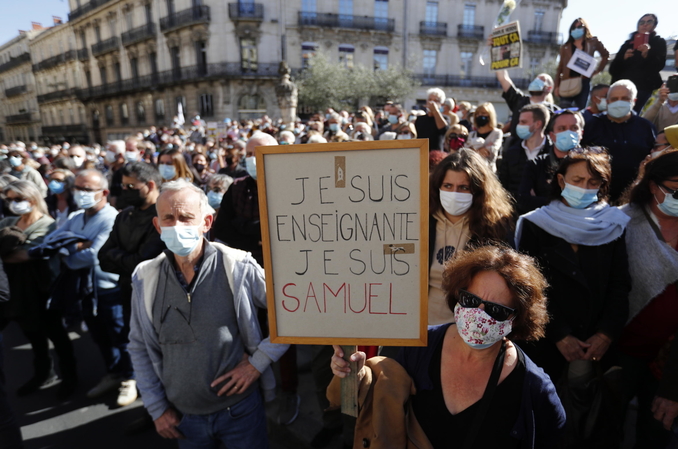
(478, 329)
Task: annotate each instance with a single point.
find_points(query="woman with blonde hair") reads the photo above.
(467, 206)
(486, 138)
(172, 166)
(455, 138)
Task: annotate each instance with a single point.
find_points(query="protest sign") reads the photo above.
(582, 63)
(345, 239)
(506, 47)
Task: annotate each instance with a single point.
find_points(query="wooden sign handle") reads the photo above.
(349, 385)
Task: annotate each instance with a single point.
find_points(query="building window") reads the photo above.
(118, 72)
(109, 115)
(170, 7)
(346, 55)
(381, 9)
(61, 117)
(308, 5)
(134, 66)
(346, 13)
(538, 20)
(88, 78)
(83, 39)
(97, 32)
(380, 58)
(159, 109)
(201, 58)
(205, 102)
(251, 107)
(111, 26)
(308, 50)
(71, 114)
(431, 12)
(534, 66)
(466, 60)
(248, 54)
(141, 113)
(104, 76)
(147, 11)
(429, 62)
(469, 15)
(124, 114)
(153, 63)
(180, 100)
(128, 19)
(176, 62)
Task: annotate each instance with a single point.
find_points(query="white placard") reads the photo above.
(582, 63)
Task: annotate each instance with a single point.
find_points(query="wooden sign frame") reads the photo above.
(420, 146)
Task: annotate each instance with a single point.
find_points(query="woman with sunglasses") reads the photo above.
(640, 59)
(471, 384)
(455, 138)
(649, 344)
(467, 206)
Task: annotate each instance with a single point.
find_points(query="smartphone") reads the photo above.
(640, 39)
(672, 83)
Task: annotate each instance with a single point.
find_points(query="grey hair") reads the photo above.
(438, 92)
(627, 84)
(548, 80)
(180, 185)
(6, 179)
(29, 191)
(287, 136)
(118, 146)
(220, 180)
(103, 184)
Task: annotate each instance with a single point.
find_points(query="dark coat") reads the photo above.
(644, 72)
(535, 185)
(510, 172)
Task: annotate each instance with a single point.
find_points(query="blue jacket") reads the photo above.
(542, 418)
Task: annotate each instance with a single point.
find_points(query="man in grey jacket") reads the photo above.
(195, 342)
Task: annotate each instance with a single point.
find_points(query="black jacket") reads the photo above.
(510, 171)
(535, 185)
(133, 239)
(644, 72)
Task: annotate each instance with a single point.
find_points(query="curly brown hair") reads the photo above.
(598, 164)
(522, 277)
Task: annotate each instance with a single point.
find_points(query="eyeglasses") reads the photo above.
(497, 311)
(454, 136)
(85, 189)
(594, 150)
(646, 22)
(130, 187)
(15, 200)
(657, 145)
(560, 111)
(673, 193)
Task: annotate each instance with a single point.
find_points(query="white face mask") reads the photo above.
(110, 157)
(78, 160)
(456, 203)
(251, 166)
(20, 208)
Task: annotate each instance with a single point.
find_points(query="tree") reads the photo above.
(328, 85)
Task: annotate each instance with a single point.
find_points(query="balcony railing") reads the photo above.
(544, 37)
(106, 46)
(466, 81)
(87, 7)
(14, 62)
(59, 94)
(14, 91)
(246, 11)
(433, 28)
(345, 21)
(55, 61)
(139, 34)
(471, 31)
(227, 70)
(18, 118)
(190, 16)
(64, 130)
(83, 54)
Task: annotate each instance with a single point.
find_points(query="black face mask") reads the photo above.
(132, 197)
(199, 167)
(482, 120)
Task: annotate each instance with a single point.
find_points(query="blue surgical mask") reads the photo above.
(393, 119)
(579, 198)
(619, 109)
(214, 199)
(15, 161)
(181, 240)
(85, 200)
(537, 85)
(167, 171)
(523, 131)
(669, 206)
(602, 106)
(130, 156)
(567, 140)
(673, 96)
(577, 33)
(334, 127)
(251, 166)
(56, 187)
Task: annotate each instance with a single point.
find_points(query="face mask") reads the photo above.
(24, 207)
(85, 200)
(537, 85)
(602, 106)
(619, 109)
(15, 161)
(199, 167)
(404, 137)
(441, 109)
(214, 199)
(579, 198)
(66, 146)
(334, 127)
(456, 142)
(567, 140)
(77, 160)
(181, 240)
(131, 156)
(482, 120)
(669, 206)
(110, 157)
(132, 197)
(523, 131)
(167, 171)
(56, 187)
(456, 203)
(673, 96)
(577, 33)
(478, 329)
(34, 147)
(328, 116)
(460, 114)
(251, 166)
(392, 119)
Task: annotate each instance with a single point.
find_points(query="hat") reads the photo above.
(672, 135)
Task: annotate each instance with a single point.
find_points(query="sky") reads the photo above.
(611, 20)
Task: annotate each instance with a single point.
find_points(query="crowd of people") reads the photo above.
(553, 262)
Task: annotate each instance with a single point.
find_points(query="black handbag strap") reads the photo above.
(486, 399)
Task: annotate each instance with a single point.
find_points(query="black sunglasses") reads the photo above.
(497, 311)
(673, 193)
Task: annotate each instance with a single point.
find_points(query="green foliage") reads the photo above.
(328, 85)
(601, 78)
